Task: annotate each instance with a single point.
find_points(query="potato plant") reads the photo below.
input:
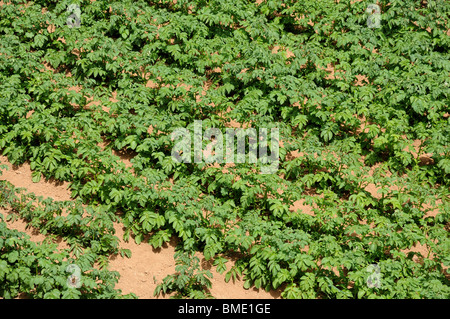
(361, 100)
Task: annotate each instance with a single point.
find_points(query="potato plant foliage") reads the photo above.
(359, 106)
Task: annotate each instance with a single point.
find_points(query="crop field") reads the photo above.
(225, 149)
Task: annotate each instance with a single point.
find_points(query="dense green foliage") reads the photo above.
(168, 64)
(81, 228)
(40, 270)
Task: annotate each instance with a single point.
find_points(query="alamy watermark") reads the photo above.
(374, 279)
(74, 20)
(74, 280)
(214, 152)
(374, 18)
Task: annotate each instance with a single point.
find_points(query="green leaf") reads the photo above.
(36, 177)
(13, 256)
